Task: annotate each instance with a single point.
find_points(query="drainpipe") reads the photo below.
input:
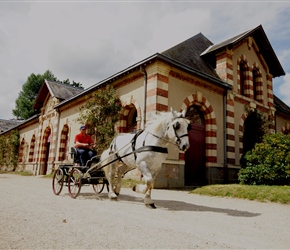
(56, 141)
(226, 174)
(142, 70)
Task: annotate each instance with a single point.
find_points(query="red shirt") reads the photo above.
(84, 139)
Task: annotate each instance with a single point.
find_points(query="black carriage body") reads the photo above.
(74, 176)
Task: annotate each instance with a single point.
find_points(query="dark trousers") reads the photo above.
(85, 155)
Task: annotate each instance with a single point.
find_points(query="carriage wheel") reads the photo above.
(98, 188)
(57, 181)
(74, 183)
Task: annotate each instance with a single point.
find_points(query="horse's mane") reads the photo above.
(159, 122)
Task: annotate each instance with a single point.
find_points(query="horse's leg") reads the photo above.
(145, 188)
(122, 168)
(111, 174)
(110, 171)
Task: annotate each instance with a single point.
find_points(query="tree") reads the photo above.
(26, 98)
(74, 84)
(100, 113)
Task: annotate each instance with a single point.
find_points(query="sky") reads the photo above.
(88, 41)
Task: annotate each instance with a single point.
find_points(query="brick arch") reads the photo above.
(31, 149)
(247, 91)
(257, 84)
(241, 132)
(63, 143)
(45, 136)
(128, 106)
(21, 150)
(210, 125)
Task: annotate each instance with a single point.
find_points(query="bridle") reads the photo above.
(178, 138)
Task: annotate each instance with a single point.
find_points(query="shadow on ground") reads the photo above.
(171, 205)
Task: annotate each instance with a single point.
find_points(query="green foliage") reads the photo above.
(24, 102)
(9, 144)
(268, 163)
(74, 84)
(101, 112)
(26, 98)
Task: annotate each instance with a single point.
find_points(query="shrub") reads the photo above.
(9, 144)
(101, 112)
(268, 163)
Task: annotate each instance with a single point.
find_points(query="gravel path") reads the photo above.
(32, 217)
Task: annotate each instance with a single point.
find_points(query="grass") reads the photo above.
(23, 173)
(277, 194)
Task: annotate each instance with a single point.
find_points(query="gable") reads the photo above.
(263, 46)
(54, 89)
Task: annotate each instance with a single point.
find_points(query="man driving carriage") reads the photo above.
(84, 143)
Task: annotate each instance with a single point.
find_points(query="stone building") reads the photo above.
(212, 82)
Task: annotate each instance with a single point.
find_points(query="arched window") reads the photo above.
(195, 116)
(243, 70)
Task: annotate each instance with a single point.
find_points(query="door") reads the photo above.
(194, 172)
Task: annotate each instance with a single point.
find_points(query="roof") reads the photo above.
(7, 124)
(188, 53)
(18, 124)
(281, 106)
(262, 42)
(55, 89)
(141, 64)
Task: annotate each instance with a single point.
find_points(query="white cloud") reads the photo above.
(89, 41)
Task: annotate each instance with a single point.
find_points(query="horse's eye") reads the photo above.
(176, 125)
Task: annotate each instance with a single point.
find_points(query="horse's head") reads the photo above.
(177, 130)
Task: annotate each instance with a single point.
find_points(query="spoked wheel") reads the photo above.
(74, 183)
(57, 181)
(98, 188)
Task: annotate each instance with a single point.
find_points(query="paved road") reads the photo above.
(32, 217)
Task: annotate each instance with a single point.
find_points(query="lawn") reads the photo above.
(278, 194)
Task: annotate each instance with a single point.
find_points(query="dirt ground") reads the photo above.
(32, 217)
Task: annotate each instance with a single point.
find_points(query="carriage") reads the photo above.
(73, 176)
(145, 150)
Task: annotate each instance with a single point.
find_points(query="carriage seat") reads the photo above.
(76, 157)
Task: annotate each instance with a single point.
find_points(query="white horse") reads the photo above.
(145, 150)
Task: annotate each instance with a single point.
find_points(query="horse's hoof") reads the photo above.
(152, 205)
(112, 196)
(134, 188)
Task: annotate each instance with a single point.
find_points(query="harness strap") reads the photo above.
(152, 148)
(111, 150)
(133, 142)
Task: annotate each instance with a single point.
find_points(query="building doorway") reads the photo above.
(46, 150)
(132, 119)
(194, 172)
